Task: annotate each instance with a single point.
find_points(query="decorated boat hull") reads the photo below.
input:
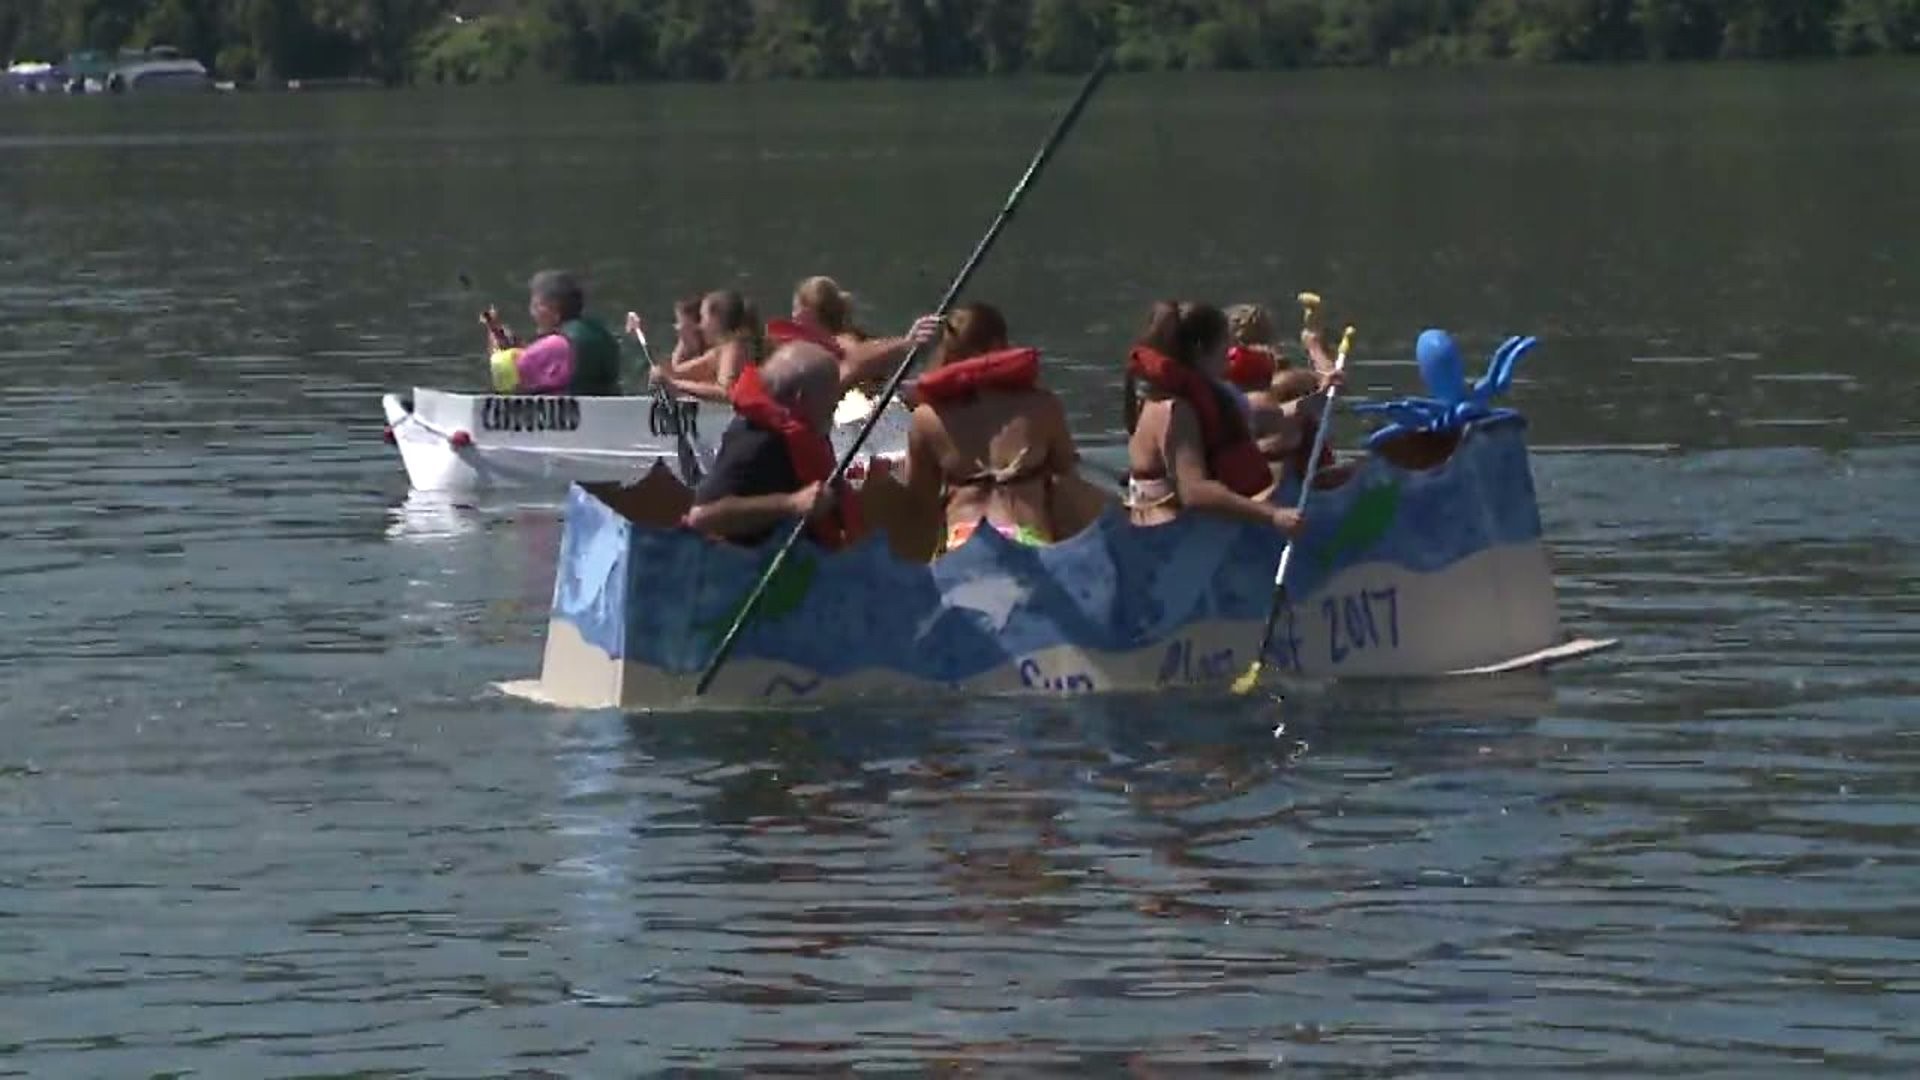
(475, 443)
(1402, 572)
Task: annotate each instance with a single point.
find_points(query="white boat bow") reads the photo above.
(471, 443)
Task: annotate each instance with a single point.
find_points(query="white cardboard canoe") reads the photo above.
(471, 443)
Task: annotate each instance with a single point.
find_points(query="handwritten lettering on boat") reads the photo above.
(529, 414)
(784, 686)
(1361, 620)
(665, 419)
(1184, 664)
(1354, 622)
(1035, 677)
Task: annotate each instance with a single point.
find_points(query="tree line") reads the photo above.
(470, 41)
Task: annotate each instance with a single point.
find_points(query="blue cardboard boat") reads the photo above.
(1427, 560)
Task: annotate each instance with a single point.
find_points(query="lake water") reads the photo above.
(260, 814)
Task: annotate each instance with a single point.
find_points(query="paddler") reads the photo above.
(988, 442)
(691, 357)
(822, 313)
(1190, 446)
(775, 457)
(728, 331)
(1255, 361)
(1281, 400)
(570, 353)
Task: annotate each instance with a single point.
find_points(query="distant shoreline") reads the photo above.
(245, 43)
(362, 84)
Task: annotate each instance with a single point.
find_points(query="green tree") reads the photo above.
(1000, 28)
(1860, 27)
(1066, 35)
(102, 24)
(490, 49)
(27, 30)
(192, 26)
(697, 39)
(887, 38)
(275, 31)
(1289, 33)
(1776, 28)
(625, 32)
(799, 39)
(379, 33)
(1678, 29)
(1150, 35)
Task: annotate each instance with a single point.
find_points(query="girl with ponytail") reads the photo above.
(730, 327)
(1189, 444)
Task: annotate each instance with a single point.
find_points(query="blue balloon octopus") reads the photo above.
(1454, 404)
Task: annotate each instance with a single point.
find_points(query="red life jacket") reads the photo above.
(1233, 457)
(1004, 369)
(1250, 367)
(810, 452)
(781, 331)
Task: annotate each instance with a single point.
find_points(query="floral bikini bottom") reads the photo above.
(1019, 534)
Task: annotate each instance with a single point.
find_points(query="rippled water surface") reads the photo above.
(261, 815)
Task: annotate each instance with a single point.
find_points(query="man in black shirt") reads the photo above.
(774, 457)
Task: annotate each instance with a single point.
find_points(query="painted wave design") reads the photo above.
(1112, 588)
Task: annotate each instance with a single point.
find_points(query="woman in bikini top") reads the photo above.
(1189, 446)
(987, 441)
(824, 311)
(730, 329)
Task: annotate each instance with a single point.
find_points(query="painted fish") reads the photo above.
(785, 593)
(1372, 515)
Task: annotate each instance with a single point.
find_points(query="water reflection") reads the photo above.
(428, 517)
(1056, 852)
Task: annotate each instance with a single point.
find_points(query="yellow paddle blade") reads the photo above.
(1309, 307)
(1245, 683)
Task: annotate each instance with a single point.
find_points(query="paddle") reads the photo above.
(980, 250)
(498, 334)
(661, 386)
(1309, 310)
(1248, 681)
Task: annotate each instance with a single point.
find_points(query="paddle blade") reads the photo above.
(1244, 685)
